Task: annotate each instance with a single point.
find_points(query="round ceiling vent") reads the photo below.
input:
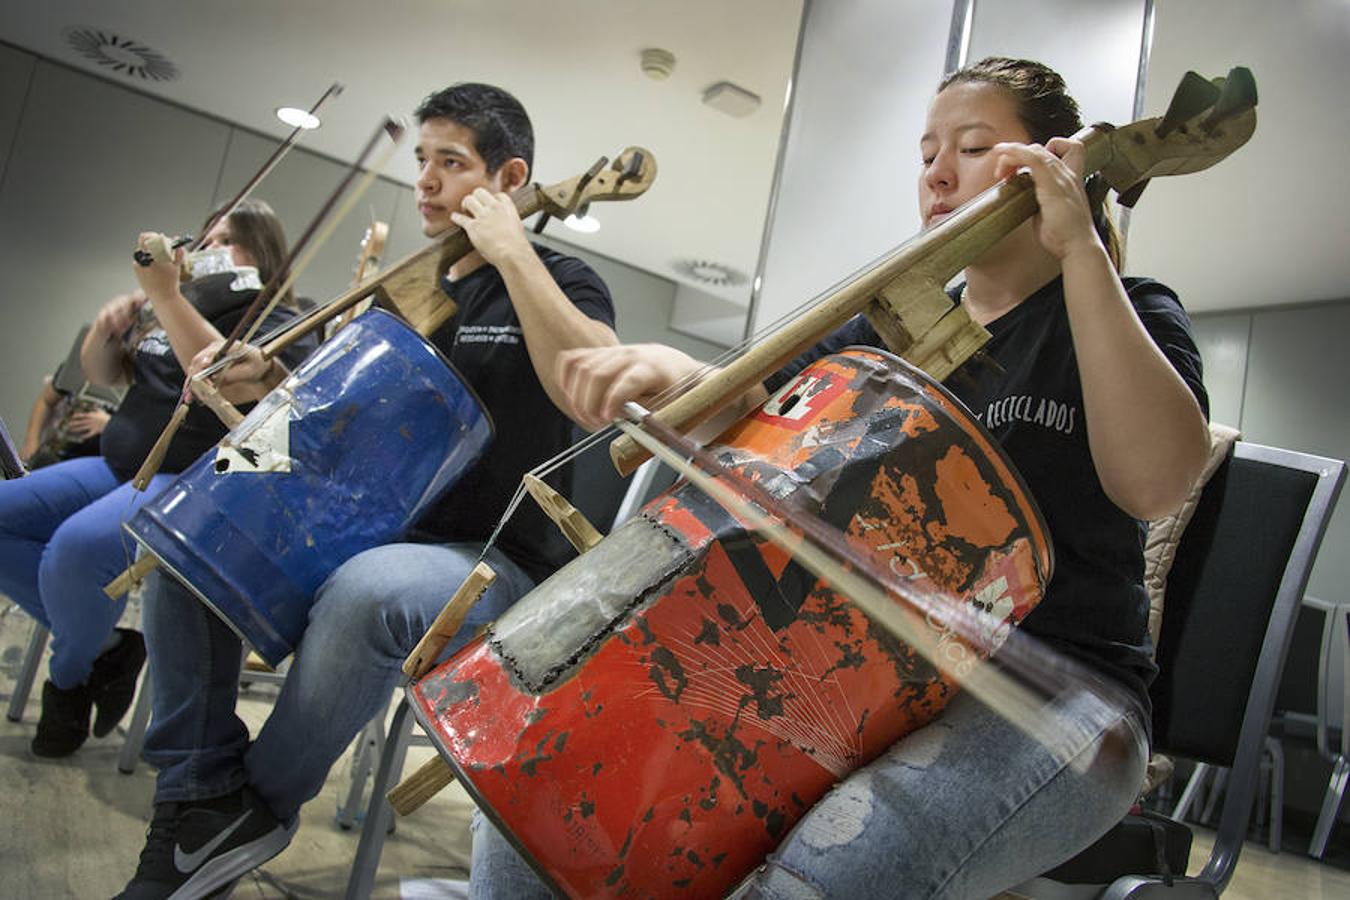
(708, 272)
(122, 55)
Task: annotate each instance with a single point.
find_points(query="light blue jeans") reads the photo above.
(366, 619)
(965, 807)
(61, 541)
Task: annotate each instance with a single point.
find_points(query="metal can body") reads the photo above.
(342, 457)
(652, 719)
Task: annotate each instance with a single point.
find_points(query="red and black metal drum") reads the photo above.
(652, 719)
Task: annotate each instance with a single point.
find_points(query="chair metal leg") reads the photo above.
(1275, 752)
(380, 814)
(1260, 801)
(1331, 807)
(1193, 787)
(1219, 784)
(135, 739)
(369, 747)
(23, 685)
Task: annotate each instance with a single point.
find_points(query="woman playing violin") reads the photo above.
(60, 527)
(1096, 396)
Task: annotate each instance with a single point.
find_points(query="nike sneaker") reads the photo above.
(199, 849)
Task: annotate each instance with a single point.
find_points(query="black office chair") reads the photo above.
(1232, 598)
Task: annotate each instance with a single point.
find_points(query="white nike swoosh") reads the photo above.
(187, 863)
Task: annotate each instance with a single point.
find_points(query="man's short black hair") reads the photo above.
(500, 125)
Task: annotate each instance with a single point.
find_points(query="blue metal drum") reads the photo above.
(342, 457)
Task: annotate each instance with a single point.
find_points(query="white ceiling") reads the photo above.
(1277, 212)
(575, 66)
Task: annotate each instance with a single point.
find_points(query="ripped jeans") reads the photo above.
(965, 807)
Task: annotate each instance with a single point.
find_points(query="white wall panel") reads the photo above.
(1268, 225)
(296, 189)
(1094, 45)
(16, 70)
(91, 166)
(846, 193)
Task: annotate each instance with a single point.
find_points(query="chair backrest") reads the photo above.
(1232, 599)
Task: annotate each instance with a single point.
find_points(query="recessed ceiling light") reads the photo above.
(586, 224)
(297, 118)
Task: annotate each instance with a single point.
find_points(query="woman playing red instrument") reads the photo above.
(1096, 396)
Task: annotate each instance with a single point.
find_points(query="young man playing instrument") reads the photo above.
(223, 804)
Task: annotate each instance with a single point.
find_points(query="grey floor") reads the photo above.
(75, 827)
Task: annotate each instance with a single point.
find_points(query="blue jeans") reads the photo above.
(366, 619)
(965, 807)
(61, 541)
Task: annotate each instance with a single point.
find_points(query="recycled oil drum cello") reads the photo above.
(343, 456)
(652, 719)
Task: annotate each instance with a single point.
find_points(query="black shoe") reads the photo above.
(64, 724)
(200, 849)
(113, 680)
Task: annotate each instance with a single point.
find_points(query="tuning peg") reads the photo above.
(1193, 96)
(394, 128)
(587, 178)
(1238, 94)
(1129, 197)
(633, 169)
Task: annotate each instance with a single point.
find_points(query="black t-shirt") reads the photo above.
(1025, 389)
(485, 343)
(157, 380)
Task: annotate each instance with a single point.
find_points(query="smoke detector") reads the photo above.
(711, 273)
(657, 64)
(122, 55)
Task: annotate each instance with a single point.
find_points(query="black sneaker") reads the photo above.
(113, 680)
(64, 724)
(200, 849)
